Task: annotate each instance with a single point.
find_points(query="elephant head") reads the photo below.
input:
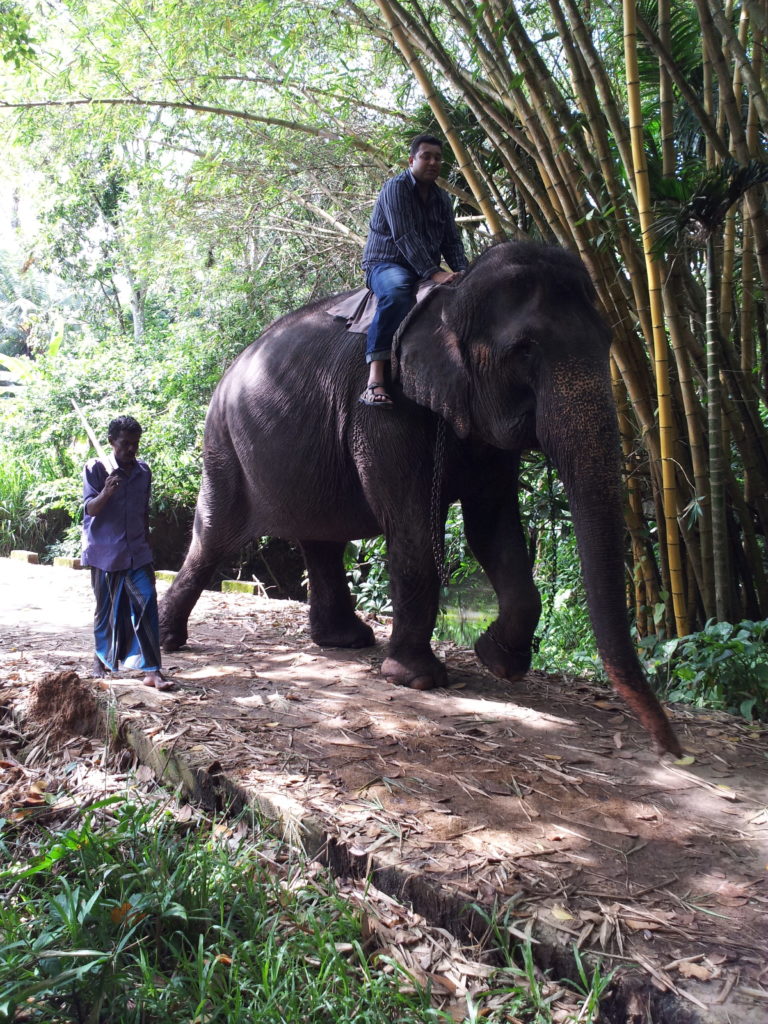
(516, 355)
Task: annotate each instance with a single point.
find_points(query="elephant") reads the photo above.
(510, 357)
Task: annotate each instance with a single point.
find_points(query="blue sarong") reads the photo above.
(126, 626)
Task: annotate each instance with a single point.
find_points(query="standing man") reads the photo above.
(412, 226)
(116, 547)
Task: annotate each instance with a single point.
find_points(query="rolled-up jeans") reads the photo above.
(395, 290)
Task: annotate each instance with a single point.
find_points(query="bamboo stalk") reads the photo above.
(666, 98)
(661, 364)
(465, 166)
(696, 440)
(735, 49)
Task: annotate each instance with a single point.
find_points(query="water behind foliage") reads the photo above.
(564, 639)
(466, 609)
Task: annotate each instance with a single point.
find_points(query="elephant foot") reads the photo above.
(352, 634)
(418, 674)
(172, 638)
(505, 662)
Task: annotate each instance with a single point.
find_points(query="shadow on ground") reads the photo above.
(541, 799)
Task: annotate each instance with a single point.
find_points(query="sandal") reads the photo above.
(376, 395)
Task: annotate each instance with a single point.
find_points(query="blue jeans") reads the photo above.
(395, 290)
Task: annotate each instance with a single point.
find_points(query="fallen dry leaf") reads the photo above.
(560, 913)
(691, 970)
(640, 926)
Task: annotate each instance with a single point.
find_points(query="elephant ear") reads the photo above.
(427, 358)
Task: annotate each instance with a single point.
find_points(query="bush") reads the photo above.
(724, 667)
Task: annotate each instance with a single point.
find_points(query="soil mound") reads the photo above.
(64, 705)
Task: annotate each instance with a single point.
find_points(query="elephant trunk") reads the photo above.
(577, 428)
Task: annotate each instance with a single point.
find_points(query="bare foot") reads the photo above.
(100, 670)
(157, 680)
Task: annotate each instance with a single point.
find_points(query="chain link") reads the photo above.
(436, 522)
(551, 576)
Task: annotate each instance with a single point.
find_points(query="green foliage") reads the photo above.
(565, 636)
(44, 445)
(150, 921)
(15, 38)
(19, 525)
(366, 565)
(566, 639)
(724, 667)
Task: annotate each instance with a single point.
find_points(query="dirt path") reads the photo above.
(541, 799)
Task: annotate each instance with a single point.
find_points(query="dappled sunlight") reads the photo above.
(222, 670)
(543, 794)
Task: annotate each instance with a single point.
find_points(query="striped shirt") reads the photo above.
(412, 233)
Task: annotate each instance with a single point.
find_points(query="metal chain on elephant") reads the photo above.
(436, 523)
(551, 578)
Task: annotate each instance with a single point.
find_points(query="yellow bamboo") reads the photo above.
(463, 159)
(660, 354)
(666, 97)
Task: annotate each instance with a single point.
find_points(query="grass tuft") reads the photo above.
(148, 921)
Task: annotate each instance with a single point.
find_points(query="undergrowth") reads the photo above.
(133, 916)
(724, 667)
(149, 921)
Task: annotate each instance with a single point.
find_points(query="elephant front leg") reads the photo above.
(495, 534)
(415, 592)
(332, 619)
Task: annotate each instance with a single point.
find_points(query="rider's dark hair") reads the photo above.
(424, 140)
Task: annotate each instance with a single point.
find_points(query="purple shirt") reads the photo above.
(117, 538)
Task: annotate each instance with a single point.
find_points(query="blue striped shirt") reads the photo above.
(412, 233)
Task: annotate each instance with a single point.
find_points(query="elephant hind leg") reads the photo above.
(332, 619)
(177, 605)
(221, 527)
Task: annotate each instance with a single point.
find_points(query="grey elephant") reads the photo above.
(512, 357)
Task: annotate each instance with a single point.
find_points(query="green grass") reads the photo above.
(147, 921)
(15, 528)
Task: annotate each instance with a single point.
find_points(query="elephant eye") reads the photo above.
(523, 350)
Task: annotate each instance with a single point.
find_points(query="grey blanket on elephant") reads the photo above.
(359, 306)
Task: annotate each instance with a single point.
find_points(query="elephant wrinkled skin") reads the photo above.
(513, 356)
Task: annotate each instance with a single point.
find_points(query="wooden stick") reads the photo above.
(106, 459)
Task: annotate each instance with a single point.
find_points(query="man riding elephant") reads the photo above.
(412, 226)
(512, 356)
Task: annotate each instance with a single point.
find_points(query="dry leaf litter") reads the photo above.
(541, 799)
